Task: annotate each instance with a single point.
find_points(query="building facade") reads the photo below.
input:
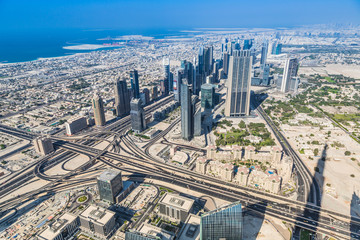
(122, 98)
(222, 223)
(75, 124)
(207, 96)
(110, 184)
(290, 71)
(43, 145)
(138, 123)
(239, 83)
(98, 221)
(134, 80)
(175, 208)
(98, 107)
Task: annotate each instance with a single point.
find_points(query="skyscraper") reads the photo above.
(167, 73)
(290, 71)
(248, 44)
(222, 223)
(138, 123)
(226, 58)
(238, 84)
(208, 60)
(207, 96)
(134, 79)
(109, 184)
(122, 98)
(164, 87)
(98, 107)
(186, 113)
(264, 52)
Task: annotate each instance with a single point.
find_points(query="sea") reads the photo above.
(28, 45)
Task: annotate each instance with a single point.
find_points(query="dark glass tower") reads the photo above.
(138, 123)
(122, 98)
(222, 223)
(109, 184)
(134, 79)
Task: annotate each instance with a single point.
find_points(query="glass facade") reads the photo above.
(225, 223)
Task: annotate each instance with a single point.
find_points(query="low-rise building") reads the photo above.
(61, 229)
(149, 232)
(175, 208)
(98, 221)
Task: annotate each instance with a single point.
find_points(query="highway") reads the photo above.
(143, 164)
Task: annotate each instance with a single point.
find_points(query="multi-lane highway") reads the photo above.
(142, 164)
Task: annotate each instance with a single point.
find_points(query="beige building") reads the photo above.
(201, 163)
(43, 145)
(242, 175)
(61, 229)
(98, 107)
(98, 221)
(175, 208)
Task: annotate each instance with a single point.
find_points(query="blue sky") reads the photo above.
(142, 14)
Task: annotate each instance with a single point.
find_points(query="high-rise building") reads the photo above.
(122, 98)
(180, 75)
(134, 79)
(208, 60)
(146, 93)
(197, 126)
(75, 124)
(166, 65)
(138, 123)
(154, 93)
(276, 48)
(226, 58)
(224, 45)
(43, 145)
(290, 71)
(238, 84)
(248, 44)
(294, 84)
(164, 87)
(207, 96)
(110, 184)
(264, 52)
(98, 107)
(222, 223)
(186, 113)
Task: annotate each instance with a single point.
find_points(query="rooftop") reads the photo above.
(108, 175)
(177, 201)
(55, 228)
(97, 214)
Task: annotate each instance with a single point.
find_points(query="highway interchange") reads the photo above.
(122, 153)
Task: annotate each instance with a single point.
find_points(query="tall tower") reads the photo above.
(238, 84)
(134, 79)
(138, 123)
(166, 65)
(98, 107)
(290, 71)
(122, 98)
(264, 52)
(186, 113)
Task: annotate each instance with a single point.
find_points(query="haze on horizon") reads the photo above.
(144, 14)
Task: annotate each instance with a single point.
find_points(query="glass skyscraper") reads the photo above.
(239, 82)
(224, 223)
(134, 79)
